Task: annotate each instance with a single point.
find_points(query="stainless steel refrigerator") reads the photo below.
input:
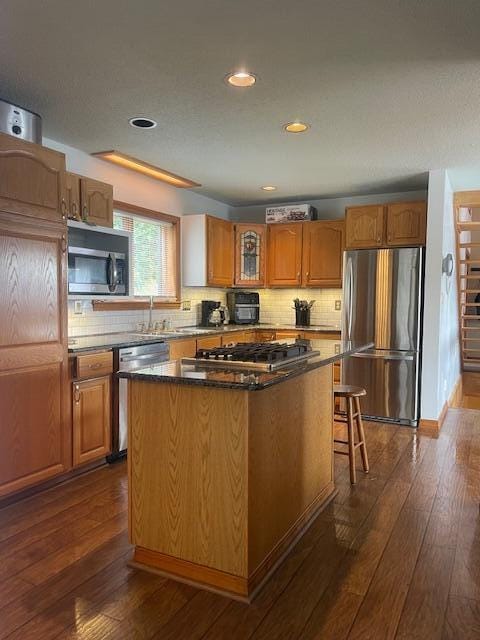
(383, 291)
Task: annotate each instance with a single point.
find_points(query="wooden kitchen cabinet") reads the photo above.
(219, 252)
(284, 254)
(97, 202)
(91, 420)
(365, 227)
(207, 251)
(250, 252)
(72, 196)
(182, 348)
(406, 224)
(32, 180)
(322, 254)
(34, 393)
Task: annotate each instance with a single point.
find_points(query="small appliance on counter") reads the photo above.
(244, 307)
(211, 316)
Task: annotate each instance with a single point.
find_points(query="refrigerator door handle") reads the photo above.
(381, 356)
(349, 297)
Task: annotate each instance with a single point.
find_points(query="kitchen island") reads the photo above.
(228, 468)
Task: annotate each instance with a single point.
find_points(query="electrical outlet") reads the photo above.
(338, 305)
(78, 308)
(186, 305)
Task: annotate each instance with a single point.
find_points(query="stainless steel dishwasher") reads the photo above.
(130, 359)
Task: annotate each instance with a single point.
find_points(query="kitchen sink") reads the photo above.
(164, 333)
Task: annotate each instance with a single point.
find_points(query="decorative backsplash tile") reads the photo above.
(275, 308)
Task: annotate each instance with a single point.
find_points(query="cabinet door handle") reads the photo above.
(77, 394)
(64, 243)
(74, 210)
(95, 365)
(64, 208)
(85, 213)
(307, 274)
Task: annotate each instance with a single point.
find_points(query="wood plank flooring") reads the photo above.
(396, 556)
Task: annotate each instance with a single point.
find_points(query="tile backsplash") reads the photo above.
(276, 305)
(275, 308)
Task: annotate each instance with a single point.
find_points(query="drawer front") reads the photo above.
(209, 343)
(323, 335)
(92, 365)
(288, 335)
(264, 336)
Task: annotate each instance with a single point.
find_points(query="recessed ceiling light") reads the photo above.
(139, 122)
(150, 170)
(241, 79)
(268, 187)
(296, 127)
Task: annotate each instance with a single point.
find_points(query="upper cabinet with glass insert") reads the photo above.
(250, 241)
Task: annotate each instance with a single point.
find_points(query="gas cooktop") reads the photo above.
(266, 356)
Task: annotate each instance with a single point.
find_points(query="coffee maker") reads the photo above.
(207, 307)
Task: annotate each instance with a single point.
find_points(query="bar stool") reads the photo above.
(352, 397)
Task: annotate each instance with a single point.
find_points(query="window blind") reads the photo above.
(153, 254)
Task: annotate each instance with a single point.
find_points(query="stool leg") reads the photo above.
(351, 448)
(361, 437)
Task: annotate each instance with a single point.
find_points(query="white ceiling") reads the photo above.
(391, 88)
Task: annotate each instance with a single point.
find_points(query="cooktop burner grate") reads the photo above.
(254, 355)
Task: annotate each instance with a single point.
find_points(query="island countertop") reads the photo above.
(251, 380)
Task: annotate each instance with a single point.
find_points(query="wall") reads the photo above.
(328, 208)
(137, 189)
(441, 353)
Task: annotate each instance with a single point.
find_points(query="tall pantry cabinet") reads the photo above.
(34, 397)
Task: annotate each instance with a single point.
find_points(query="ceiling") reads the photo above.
(391, 88)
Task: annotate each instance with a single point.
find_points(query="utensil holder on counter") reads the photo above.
(302, 317)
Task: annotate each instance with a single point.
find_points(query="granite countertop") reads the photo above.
(77, 344)
(250, 380)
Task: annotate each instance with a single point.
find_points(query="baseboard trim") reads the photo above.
(454, 400)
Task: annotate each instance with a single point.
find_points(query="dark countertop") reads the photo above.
(246, 380)
(77, 344)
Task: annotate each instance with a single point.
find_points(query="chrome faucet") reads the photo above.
(150, 320)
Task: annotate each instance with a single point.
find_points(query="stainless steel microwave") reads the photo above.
(98, 261)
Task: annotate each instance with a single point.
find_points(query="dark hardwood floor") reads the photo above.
(396, 556)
